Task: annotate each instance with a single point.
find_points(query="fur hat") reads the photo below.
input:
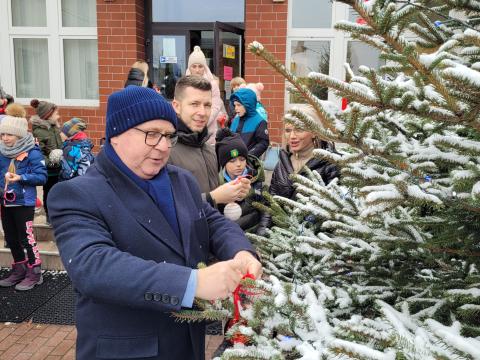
(44, 109)
(135, 105)
(197, 57)
(229, 146)
(14, 126)
(73, 126)
(16, 110)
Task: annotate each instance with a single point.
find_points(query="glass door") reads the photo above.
(168, 62)
(228, 56)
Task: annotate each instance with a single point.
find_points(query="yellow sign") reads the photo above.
(228, 51)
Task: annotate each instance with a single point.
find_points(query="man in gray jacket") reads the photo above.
(192, 103)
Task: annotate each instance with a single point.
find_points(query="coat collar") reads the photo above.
(141, 205)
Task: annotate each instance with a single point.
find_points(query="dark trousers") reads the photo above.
(17, 223)
(51, 180)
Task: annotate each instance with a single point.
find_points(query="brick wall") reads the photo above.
(266, 22)
(121, 39)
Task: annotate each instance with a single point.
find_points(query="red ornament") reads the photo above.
(344, 103)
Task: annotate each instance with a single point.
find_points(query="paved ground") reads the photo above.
(53, 342)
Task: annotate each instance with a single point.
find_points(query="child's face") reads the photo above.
(236, 166)
(239, 109)
(9, 140)
(55, 116)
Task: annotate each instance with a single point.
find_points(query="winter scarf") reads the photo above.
(159, 188)
(24, 144)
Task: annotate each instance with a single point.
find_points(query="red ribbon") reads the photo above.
(236, 298)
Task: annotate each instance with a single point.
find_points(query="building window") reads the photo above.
(51, 51)
(81, 69)
(192, 10)
(31, 68)
(314, 45)
(79, 13)
(359, 53)
(308, 56)
(31, 13)
(311, 13)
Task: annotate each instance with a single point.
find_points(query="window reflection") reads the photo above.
(308, 56)
(359, 53)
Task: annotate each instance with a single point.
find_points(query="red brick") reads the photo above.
(63, 347)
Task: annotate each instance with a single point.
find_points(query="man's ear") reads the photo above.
(176, 106)
(114, 141)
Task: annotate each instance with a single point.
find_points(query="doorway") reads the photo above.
(169, 45)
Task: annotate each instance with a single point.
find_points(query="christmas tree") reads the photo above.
(383, 262)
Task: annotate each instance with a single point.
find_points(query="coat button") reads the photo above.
(166, 298)
(157, 297)
(174, 300)
(148, 296)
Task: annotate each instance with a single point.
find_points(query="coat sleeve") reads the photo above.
(261, 140)
(97, 268)
(38, 172)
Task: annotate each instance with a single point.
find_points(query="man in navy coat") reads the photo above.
(131, 233)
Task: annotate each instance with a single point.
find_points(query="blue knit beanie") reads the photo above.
(135, 105)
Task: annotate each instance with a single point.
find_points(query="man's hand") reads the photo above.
(250, 264)
(219, 280)
(232, 191)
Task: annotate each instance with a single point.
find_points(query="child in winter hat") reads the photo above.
(77, 150)
(22, 169)
(44, 109)
(235, 162)
(232, 154)
(14, 126)
(73, 127)
(257, 88)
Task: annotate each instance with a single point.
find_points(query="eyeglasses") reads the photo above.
(297, 131)
(153, 138)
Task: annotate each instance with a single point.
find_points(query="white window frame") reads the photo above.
(337, 40)
(55, 34)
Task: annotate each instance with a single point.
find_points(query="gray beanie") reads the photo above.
(14, 126)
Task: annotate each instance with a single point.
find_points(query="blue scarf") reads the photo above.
(159, 188)
(228, 178)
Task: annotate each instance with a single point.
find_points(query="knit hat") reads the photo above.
(197, 57)
(229, 146)
(44, 109)
(14, 126)
(73, 126)
(16, 110)
(135, 105)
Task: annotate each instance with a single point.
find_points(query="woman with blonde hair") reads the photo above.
(298, 154)
(197, 65)
(138, 74)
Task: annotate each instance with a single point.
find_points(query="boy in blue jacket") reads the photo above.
(22, 168)
(248, 123)
(77, 150)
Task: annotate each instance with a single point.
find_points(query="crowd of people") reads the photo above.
(172, 187)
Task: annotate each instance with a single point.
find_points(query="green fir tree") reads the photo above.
(382, 263)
